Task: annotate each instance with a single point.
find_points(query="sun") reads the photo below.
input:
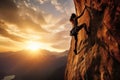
(33, 46)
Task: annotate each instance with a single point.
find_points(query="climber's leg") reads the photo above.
(82, 26)
(76, 40)
(85, 28)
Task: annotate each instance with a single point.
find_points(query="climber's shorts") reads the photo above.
(74, 31)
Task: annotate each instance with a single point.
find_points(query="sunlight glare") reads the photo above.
(33, 46)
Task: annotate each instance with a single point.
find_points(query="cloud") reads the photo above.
(8, 10)
(57, 5)
(62, 40)
(23, 16)
(5, 33)
(61, 46)
(42, 1)
(64, 6)
(29, 18)
(59, 34)
(59, 40)
(4, 42)
(7, 4)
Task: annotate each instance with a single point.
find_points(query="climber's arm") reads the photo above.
(81, 13)
(82, 26)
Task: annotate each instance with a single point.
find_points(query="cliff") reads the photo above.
(98, 55)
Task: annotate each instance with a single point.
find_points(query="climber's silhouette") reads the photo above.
(76, 28)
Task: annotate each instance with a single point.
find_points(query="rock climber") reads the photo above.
(76, 28)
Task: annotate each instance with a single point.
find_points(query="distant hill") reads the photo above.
(26, 66)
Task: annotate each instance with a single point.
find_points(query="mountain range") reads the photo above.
(26, 65)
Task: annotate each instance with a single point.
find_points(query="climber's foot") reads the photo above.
(75, 51)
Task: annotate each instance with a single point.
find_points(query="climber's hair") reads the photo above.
(72, 16)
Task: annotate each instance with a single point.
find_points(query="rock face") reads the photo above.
(98, 55)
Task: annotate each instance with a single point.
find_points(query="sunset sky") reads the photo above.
(41, 22)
